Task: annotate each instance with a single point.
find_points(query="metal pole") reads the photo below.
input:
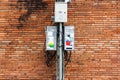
(60, 55)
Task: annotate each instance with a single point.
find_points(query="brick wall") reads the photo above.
(97, 40)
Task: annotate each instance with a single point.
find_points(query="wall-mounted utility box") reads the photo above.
(69, 38)
(51, 37)
(60, 12)
(66, 1)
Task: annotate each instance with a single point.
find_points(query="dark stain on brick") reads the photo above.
(31, 6)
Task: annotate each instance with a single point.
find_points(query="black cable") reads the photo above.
(67, 57)
(50, 55)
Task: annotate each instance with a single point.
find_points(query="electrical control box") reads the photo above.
(69, 38)
(60, 12)
(63, 1)
(51, 37)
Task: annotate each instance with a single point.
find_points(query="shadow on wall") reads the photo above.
(31, 6)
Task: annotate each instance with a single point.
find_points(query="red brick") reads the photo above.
(97, 41)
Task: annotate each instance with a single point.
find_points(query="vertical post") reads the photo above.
(60, 54)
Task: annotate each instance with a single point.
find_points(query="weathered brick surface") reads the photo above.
(97, 40)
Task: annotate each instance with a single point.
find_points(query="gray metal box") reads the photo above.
(51, 37)
(60, 12)
(69, 38)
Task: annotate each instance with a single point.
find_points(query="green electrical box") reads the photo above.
(51, 37)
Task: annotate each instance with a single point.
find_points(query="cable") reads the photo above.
(67, 57)
(50, 56)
